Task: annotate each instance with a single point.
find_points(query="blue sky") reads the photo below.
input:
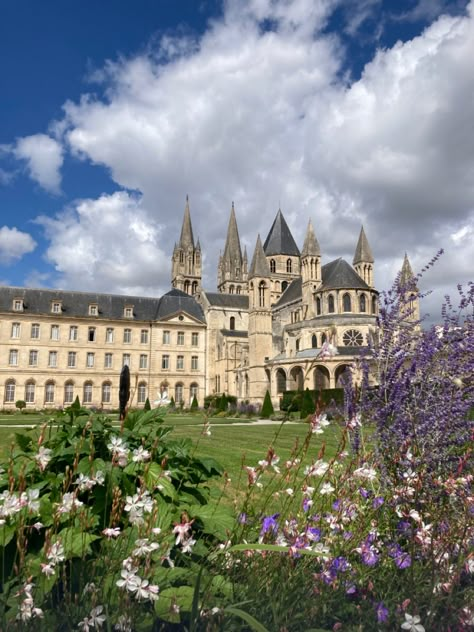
(347, 112)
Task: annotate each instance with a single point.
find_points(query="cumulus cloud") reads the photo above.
(108, 244)
(259, 110)
(14, 244)
(44, 159)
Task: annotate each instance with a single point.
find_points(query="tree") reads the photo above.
(267, 408)
(223, 403)
(147, 405)
(307, 405)
(20, 404)
(194, 403)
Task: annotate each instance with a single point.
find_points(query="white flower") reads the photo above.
(316, 469)
(94, 621)
(11, 504)
(289, 491)
(43, 457)
(84, 482)
(55, 553)
(187, 545)
(326, 488)
(156, 530)
(124, 624)
(48, 569)
(366, 472)
(140, 455)
(68, 503)
(111, 532)
(412, 623)
(130, 580)
(116, 443)
(181, 531)
(144, 547)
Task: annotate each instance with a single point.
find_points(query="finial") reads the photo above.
(232, 204)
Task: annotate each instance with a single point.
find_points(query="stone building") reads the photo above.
(286, 321)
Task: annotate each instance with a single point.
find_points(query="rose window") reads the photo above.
(353, 338)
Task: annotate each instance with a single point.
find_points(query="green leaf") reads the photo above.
(23, 441)
(7, 531)
(271, 547)
(245, 616)
(182, 596)
(154, 477)
(216, 520)
(76, 542)
(211, 466)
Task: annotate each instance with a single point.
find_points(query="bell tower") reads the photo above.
(186, 262)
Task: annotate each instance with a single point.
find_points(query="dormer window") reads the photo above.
(18, 305)
(56, 307)
(128, 311)
(93, 309)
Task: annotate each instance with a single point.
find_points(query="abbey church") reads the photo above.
(288, 320)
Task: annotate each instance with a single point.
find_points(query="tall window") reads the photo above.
(30, 392)
(49, 393)
(141, 394)
(35, 330)
(165, 362)
(318, 306)
(73, 333)
(362, 303)
(180, 362)
(87, 393)
(261, 294)
(314, 341)
(194, 363)
(71, 359)
(53, 359)
(93, 310)
(18, 305)
(144, 336)
(181, 337)
(69, 392)
(33, 358)
(178, 393)
(56, 308)
(374, 304)
(127, 335)
(143, 361)
(91, 334)
(346, 303)
(54, 332)
(288, 265)
(193, 391)
(10, 391)
(331, 304)
(106, 392)
(90, 360)
(232, 323)
(108, 361)
(126, 359)
(166, 337)
(16, 329)
(109, 334)
(128, 312)
(272, 265)
(13, 357)
(194, 339)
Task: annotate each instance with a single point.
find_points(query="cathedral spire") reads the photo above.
(311, 245)
(232, 268)
(186, 266)
(186, 240)
(232, 250)
(407, 278)
(363, 261)
(280, 240)
(259, 266)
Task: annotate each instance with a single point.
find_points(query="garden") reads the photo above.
(360, 517)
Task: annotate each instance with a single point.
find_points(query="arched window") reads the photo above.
(297, 344)
(374, 304)
(323, 339)
(87, 393)
(30, 392)
(231, 289)
(178, 393)
(193, 392)
(261, 294)
(238, 290)
(272, 265)
(318, 306)
(284, 285)
(195, 287)
(232, 323)
(10, 391)
(288, 265)
(181, 257)
(346, 303)
(49, 393)
(186, 287)
(362, 303)
(141, 393)
(106, 392)
(331, 304)
(69, 392)
(314, 341)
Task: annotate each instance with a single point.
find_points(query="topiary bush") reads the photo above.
(267, 407)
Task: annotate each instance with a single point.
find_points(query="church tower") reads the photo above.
(186, 265)
(232, 269)
(412, 294)
(260, 324)
(310, 270)
(363, 261)
(283, 256)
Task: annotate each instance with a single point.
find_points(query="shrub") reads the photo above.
(267, 408)
(147, 405)
(307, 406)
(194, 404)
(20, 404)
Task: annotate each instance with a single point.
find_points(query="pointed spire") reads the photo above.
(245, 255)
(186, 240)
(363, 253)
(259, 266)
(232, 250)
(311, 245)
(407, 278)
(280, 240)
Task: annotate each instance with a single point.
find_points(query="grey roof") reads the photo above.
(232, 249)
(280, 240)
(339, 274)
(259, 266)
(186, 240)
(234, 333)
(219, 299)
(363, 253)
(110, 306)
(292, 293)
(311, 245)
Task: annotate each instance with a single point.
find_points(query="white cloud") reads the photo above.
(257, 111)
(108, 244)
(14, 244)
(44, 159)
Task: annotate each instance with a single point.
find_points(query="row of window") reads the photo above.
(289, 265)
(350, 338)
(346, 304)
(54, 334)
(72, 360)
(69, 392)
(57, 308)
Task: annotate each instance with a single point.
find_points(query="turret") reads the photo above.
(310, 270)
(363, 259)
(186, 264)
(232, 273)
(283, 256)
(410, 291)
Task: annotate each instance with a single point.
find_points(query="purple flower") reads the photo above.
(364, 492)
(307, 502)
(377, 502)
(269, 523)
(242, 519)
(403, 560)
(340, 564)
(382, 612)
(368, 553)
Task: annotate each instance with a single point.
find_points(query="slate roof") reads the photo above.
(234, 333)
(259, 266)
(363, 253)
(280, 240)
(110, 306)
(219, 299)
(186, 239)
(292, 293)
(338, 274)
(311, 245)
